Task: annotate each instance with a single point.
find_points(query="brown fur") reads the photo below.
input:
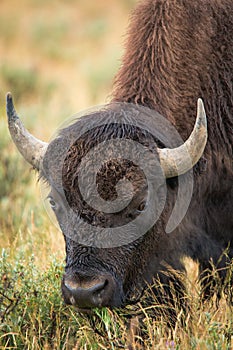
(176, 52)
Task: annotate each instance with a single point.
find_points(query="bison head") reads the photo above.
(110, 252)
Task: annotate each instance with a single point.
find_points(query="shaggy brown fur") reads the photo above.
(176, 52)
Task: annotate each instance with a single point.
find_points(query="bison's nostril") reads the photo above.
(71, 285)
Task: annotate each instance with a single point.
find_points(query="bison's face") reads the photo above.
(101, 271)
(109, 201)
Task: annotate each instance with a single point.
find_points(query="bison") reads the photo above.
(177, 52)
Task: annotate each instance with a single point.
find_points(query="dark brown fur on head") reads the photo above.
(109, 175)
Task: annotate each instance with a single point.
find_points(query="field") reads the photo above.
(57, 58)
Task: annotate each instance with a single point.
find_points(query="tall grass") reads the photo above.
(33, 316)
(14, 180)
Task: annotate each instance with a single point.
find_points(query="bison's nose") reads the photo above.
(90, 293)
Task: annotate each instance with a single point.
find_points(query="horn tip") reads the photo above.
(9, 99)
(8, 96)
(202, 120)
(11, 113)
(200, 105)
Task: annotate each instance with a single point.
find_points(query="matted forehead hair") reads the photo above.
(73, 142)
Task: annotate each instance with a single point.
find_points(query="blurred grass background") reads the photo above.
(58, 57)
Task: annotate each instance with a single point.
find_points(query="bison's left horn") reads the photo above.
(32, 149)
(179, 160)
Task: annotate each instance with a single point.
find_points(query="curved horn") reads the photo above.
(179, 160)
(32, 149)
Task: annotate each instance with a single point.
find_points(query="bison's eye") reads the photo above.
(52, 203)
(141, 207)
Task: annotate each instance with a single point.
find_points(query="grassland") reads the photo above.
(59, 57)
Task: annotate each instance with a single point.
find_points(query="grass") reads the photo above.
(33, 316)
(54, 68)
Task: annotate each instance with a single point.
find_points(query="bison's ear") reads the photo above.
(179, 160)
(32, 149)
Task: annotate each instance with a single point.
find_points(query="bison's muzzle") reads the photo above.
(90, 292)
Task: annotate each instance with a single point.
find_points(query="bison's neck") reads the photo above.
(178, 51)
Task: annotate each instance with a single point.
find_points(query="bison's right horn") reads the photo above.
(178, 161)
(32, 149)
